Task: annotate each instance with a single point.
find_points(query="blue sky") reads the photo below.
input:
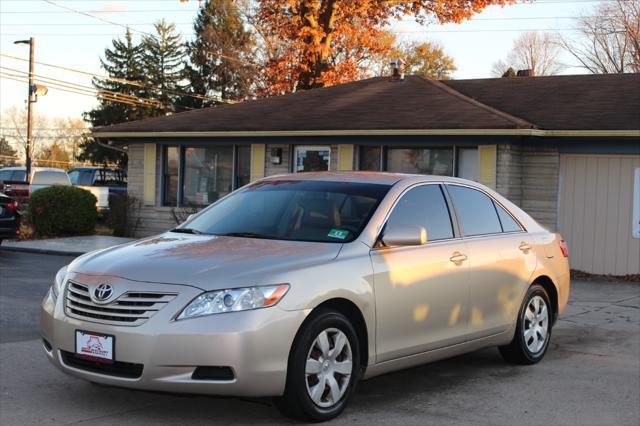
(76, 41)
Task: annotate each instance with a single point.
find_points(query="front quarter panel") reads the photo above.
(349, 277)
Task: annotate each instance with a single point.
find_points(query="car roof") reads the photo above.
(94, 168)
(35, 169)
(384, 178)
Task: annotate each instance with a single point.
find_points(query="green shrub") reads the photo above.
(63, 210)
(123, 215)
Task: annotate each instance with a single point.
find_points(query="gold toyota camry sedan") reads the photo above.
(298, 286)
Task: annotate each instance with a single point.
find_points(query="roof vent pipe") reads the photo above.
(397, 65)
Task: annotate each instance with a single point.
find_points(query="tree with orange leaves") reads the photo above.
(316, 43)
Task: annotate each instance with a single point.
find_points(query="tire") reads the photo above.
(530, 348)
(335, 380)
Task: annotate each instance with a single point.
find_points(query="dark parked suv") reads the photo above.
(9, 217)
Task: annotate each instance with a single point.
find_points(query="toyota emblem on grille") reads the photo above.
(103, 292)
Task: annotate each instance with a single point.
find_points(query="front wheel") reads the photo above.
(533, 330)
(323, 368)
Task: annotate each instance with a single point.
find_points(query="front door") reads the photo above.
(421, 291)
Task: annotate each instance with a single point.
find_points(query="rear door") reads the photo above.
(501, 258)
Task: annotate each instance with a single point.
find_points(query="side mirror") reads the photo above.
(404, 235)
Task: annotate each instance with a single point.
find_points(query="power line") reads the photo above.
(20, 79)
(78, 86)
(128, 27)
(88, 89)
(118, 80)
(426, 30)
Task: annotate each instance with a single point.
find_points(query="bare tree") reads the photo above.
(534, 51)
(609, 41)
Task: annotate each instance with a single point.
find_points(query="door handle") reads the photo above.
(457, 257)
(524, 247)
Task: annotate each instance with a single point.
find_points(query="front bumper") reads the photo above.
(254, 344)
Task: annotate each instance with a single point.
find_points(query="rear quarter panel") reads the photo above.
(553, 264)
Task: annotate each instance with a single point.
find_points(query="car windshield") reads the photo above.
(296, 210)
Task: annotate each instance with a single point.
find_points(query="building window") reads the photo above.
(370, 158)
(170, 173)
(468, 164)
(199, 175)
(208, 174)
(312, 158)
(428, 161)
(243, 166)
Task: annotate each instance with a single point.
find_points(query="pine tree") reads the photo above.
(221, 54)
(122, 62)
(164, 61)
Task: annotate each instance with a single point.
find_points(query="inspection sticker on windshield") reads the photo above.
(338, 233)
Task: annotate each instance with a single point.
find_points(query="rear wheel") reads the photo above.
(533, 330)
(323, 368)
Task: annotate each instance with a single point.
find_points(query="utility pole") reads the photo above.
(31, 98)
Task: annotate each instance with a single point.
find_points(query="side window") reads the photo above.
(424, 206)
(508, 223)
(475, 211)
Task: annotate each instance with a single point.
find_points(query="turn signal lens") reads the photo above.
(563, 248)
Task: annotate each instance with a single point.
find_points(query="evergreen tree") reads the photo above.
(123, 61)
(221, 54)
(164, 61)
(7, 153)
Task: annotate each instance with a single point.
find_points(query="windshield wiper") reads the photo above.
(248, 235)
(187, 231)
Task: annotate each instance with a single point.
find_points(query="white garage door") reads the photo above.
(596, 212)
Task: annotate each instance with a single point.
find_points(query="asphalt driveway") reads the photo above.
(591, 374)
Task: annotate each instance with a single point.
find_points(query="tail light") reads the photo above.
(563, 248)
(12, 206)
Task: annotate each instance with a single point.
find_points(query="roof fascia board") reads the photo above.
(391, 132)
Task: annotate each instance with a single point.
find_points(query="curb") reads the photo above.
(41, 251)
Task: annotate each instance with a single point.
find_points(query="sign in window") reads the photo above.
(312, 158)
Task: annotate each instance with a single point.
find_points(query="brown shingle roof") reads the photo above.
(372, 104)
(576, 102)
(581, 102)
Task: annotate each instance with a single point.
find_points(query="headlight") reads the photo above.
(58, 283)
(233, 300)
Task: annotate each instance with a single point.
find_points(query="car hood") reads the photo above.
(204, 261)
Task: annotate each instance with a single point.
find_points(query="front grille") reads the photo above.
(128, 370)
(132, 308)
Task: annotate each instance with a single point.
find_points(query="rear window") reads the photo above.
(13, 175)
(475, 211)
(508, 223)
(48, 177)
(81, 177)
